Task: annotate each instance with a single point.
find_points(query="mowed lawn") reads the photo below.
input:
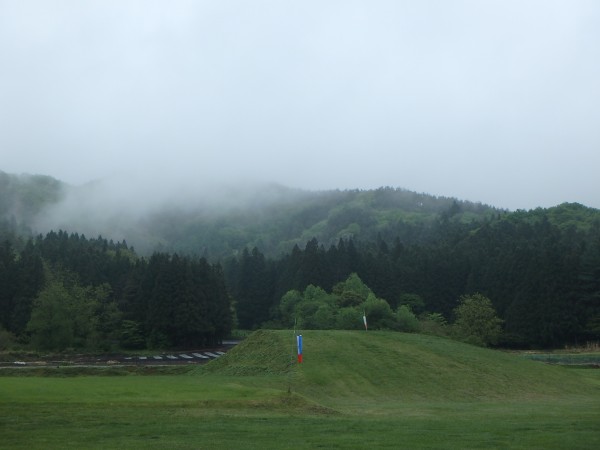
(354, 390)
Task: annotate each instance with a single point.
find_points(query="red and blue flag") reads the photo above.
(299, 341)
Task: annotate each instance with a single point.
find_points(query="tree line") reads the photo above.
(539, 269)
(66, 291)
(543, 280)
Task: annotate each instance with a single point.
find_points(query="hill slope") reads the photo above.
(223, 220)
(356, 371)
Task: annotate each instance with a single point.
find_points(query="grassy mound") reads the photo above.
(262, 353)
(346, 368)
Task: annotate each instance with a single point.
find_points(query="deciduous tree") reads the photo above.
(476, 320)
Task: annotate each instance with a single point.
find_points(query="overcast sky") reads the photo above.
(490, 101)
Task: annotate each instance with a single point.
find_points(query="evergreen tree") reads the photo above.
(7, 285)
(254, 289)
(160, 321)
(588, 304)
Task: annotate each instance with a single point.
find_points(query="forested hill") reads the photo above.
(293, 217)
(280, 249)
(270, 217)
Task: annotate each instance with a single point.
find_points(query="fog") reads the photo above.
(125, 208)
(494, 102)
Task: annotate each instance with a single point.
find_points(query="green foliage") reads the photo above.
(158, 340)
(107, 319)
(315, 294)
(65, 291)
(52, 325)
(476, 321)
(570, 215)
(350, 298)
(187, 302)
(349, 319)
(283, 218)
(323, 318)
(343, 308)
(7, 339)
(406, 320)
(288, 305)
(433, 323)
(66, 315)
(379, 314)
(540, 267)
(131, 335)
(252, 289)
(351, 292)
(414, 301)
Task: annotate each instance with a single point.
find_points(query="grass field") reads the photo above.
(354, 390)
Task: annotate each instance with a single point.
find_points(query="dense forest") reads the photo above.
(320, 260)
(66, 291)
(543, 280)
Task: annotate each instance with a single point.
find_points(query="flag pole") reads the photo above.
(292, 357)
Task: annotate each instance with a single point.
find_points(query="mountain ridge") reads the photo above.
(223, 220)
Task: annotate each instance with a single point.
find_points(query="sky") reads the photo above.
(492, 101)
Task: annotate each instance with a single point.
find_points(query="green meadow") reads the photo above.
(353, 390)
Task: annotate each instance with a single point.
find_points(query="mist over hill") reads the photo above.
(221, 220)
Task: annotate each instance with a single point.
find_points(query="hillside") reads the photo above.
(374, 371)
(290, 217)
(227, 219)
(222, 221)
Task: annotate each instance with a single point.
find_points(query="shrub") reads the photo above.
(476, 321)
(406, 320)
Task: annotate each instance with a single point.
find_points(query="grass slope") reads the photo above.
(352, 370)
(354, 390)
